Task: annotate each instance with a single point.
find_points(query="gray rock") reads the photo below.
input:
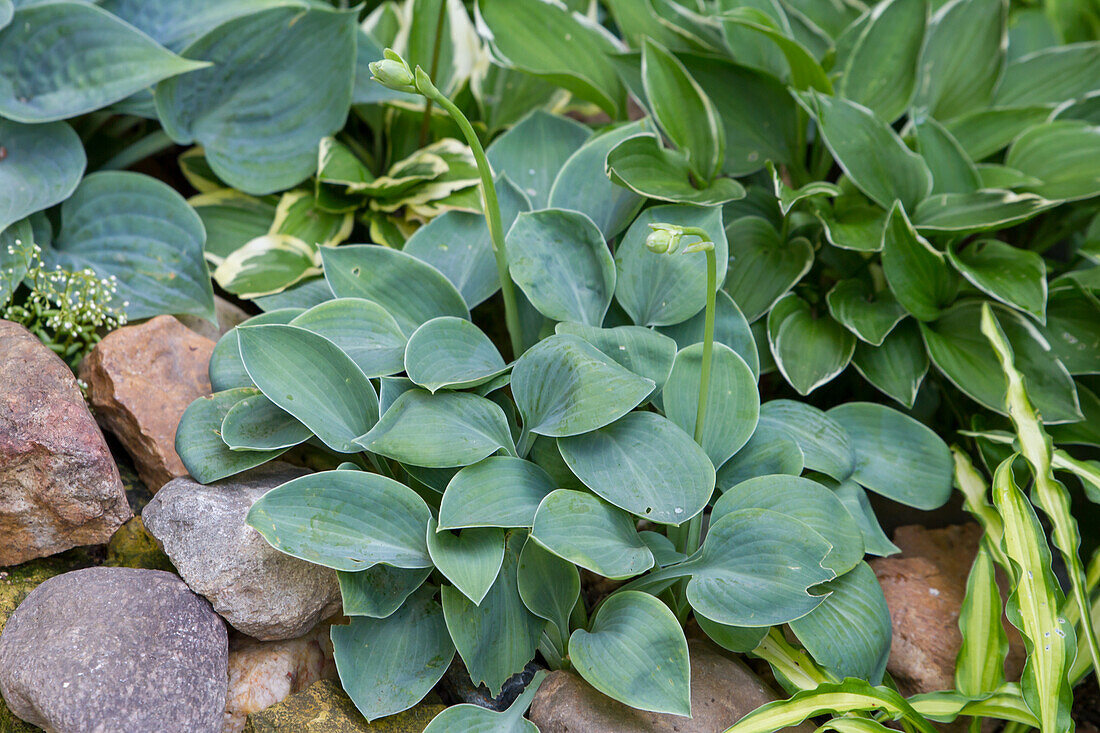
(256, 588)
(115, 649)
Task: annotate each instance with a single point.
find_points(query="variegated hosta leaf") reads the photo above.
(268, 265)
(979, 669)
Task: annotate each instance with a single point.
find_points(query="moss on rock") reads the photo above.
(133, 547)
(325, 708)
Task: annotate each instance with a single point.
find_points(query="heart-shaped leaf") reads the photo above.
(857, 227)
(765, 267)
(199, 438)
(379, 590)
(42, 167)
(449, 352)
(362, 329)
(917, 272)
(231, 219)
(871, 316)
(809, 350)
(548, 585)
(880, 72)
(897, 366)
(589, 532)
(825, 444)
(470, 560)
(978, 211)
(642, 165)
(856, 501)
(769, 451)
(500, 491)
(473, 718)
(1063, 154)
(1073, 329)
(641, 350)
(730, 328)
(806, 72)
(534, 150)
(1014, 276)
(257, 423)
(226, 368)
(952, 169)
(267, 265)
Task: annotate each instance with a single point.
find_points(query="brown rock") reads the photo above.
(722, 692)
(924, 588)
(59, 487)
(140, 380)
(228, 315)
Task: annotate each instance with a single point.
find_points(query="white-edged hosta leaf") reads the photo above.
(977, 211)
(810, 350)
(870, 316)
(857, 227)
(730, 328)
(548, 585)
(346, 520)
(764, 266)
(533, 151)
(451, 353)
(881, 70)
(266, 265)
(260, 113)
(986, 131)
(362, 329)
(806, 72)
(1073, 329)
(1063, 154)
(1013, 275)
(231, 219)
(645, 464)
(897, 366)
(500, 491)
(42, 167)
(641, 164)
(790, 197)
(587, 531)
(945, 707)
(917, 272)
(442, 430)
(825, 444)
(257, 423)
(387, 665)
(979, 667)
(226, 368)
(1050, 76)
(769, 451)
(628, 627)
(470, 559)
(199, 438)
(641, 350)
(379, 590)
(311, 378)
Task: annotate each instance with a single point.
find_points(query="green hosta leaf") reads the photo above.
(806, 72)
(645, 464)
(589, 532)
(769, 451)
(825, 443)
(994, 175)
(849, 633)
(662, 290)
(1050, 76)
(412, 291)
(449, 352)
(439, 431)
(42, 167)
(985, 131)
(476, 719)
(267, 265)
(1014, 276)
(7, 11)
(362, 329)
(257, 423)
(561, 262)
(497, 637)
(500, 491)
(642, 165)
(896, 456)
(299, 214)
(231, 219)
(979, 669)
(379, 590)
(683, 110)
(857, 227)
(388, 665)
(916, 271)
(347, 520)
(870, 152)
(556, 44)
(790, 197)
(63, 59)
(470, 560)
(733, 402)
(641, 350)
(1073, 330)
(880, 72)
(534, 150)
(453, 44)
(952, 170)
(730, 328)
(962, 58)
(312, 379)
(631, 626)
(1063, 154)
(141, 231)
(897, 366)
(199, 439)
(765, 266)
(870, 316)
(966, 213)
(565, 386)
(261, 132)
(548, 585)
(809, 350)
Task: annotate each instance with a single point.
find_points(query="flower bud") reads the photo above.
(393, 72)
(664, 238)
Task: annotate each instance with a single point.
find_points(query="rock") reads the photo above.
(924, 588)
(262, 673)
(115, 649)
(140, 380)
(256, 588)
(325, 708)
(722, 692)
(133, 547)
(59, 487)
(228, 315)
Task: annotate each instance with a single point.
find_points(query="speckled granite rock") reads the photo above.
(59, 487)
(115, 649)
(325, 708)
(256, 588)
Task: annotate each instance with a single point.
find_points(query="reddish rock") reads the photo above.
(924, 588)
(140, 380)
(59, 486)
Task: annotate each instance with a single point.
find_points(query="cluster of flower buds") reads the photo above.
(666, 239)
(393, 72)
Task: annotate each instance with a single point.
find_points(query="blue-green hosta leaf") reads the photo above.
(632, 626)
(732, 406)
(472, 718)
(870, 316)
(1063, 154)
(825, 444)
(548, 585)
(63, 59)
(565, 386)
(986, 131)
(641, 350)
(497, 637)
(311, 378)
(979, 669)
(952, 169)
(1050, 76)
(500, 491)
(642, 165)
(730, 328)
(870, 152)
(411, 290)
(809, 350)
(1014, 276)
(306, 294)
(917, 272)
(561, 262)
(765, 267)
(452, 353)
(807, 501)
(7, 11)
(740, 639)
(962, 58)
(662, 290)
(226, 368)
(42, 167)
(855, 500)
(281, 80)
(362, 329)
(645, 464)
(534, 150)
(897, 366)
(199, 438)
(582, 185)
(881, 70)
(257, 423)
(470, 560)
(769, 451)
(978, 211)
(266, 265)
(17, 242)
(379, 590)
(141, 231)
(849, 633)
(177, 25)
(387, 665)
(895, 455)
(443, 430)
(346, 520)
(589, 532)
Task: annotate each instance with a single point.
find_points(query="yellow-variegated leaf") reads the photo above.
(979, 669)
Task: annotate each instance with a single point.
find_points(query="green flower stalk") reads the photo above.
(394, 72)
